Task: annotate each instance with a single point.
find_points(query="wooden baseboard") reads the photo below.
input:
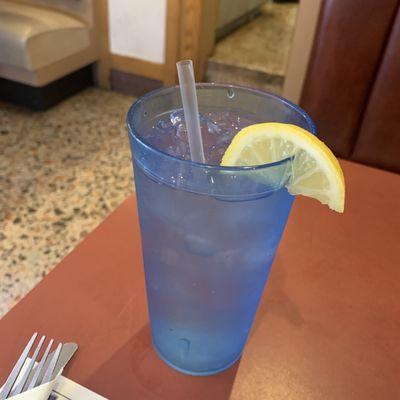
(136, 66)
(132, 84)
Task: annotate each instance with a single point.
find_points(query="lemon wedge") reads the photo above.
(315, 171)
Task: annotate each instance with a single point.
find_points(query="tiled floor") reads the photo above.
(61, 172)
(256, 54)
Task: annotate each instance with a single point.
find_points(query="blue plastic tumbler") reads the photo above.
(209, 233)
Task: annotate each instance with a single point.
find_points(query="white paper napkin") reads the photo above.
(60, 385)
(41, 392)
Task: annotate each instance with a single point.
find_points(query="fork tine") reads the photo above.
(17, 369)
(21, 383)
(50, 368)
(32, 382)
(41, 373)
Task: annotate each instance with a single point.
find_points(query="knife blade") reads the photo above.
(67, 352)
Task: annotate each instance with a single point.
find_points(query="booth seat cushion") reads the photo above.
(34, 37)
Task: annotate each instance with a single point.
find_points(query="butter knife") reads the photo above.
(67, 352)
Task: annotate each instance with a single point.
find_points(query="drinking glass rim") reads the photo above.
(160, 153)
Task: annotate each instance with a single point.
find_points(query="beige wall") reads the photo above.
(137, 29)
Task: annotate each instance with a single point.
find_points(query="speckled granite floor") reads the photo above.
(261, 47)
(61, 172)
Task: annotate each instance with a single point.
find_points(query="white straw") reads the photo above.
(191, 109)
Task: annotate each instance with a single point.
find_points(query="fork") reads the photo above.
(31, 377)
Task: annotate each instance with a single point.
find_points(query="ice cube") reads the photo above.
(200, 246)
(180, 132)
(176, 117)
(162, 125)
(169, 256)
(212, 127)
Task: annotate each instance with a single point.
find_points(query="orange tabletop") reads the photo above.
(328, 326)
